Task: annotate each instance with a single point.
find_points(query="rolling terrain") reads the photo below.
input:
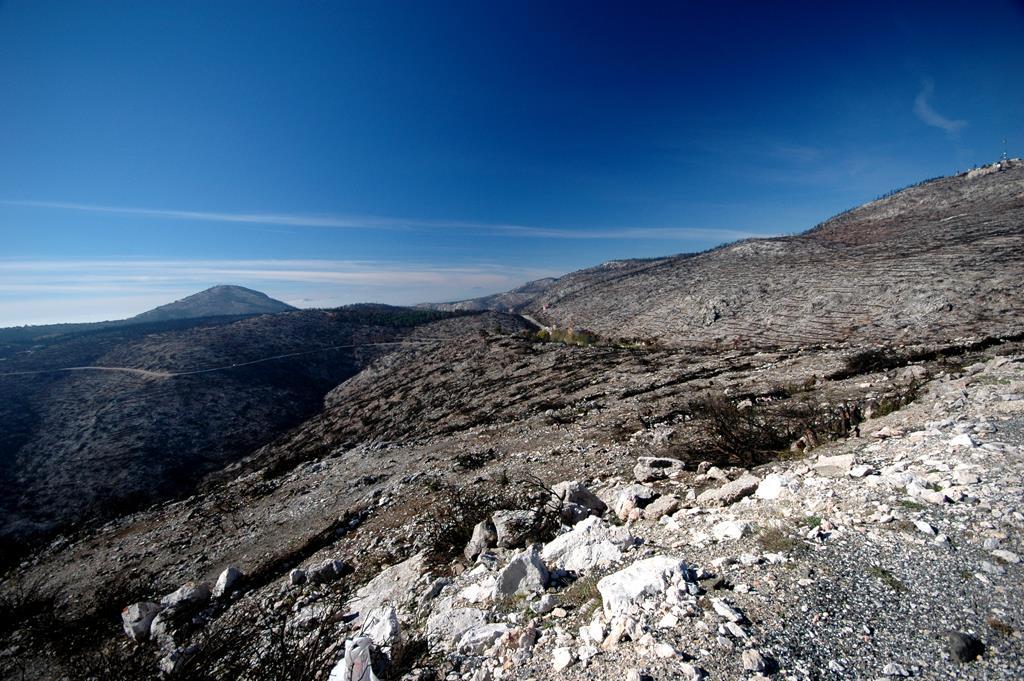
(933, 262)
(99, 422)
(798, 434)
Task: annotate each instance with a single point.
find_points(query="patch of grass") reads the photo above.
(777, 541)
(811, 521)
(905, 526)
(999, 625)
(911, 505)
(581, 592)
(888, 578)
(510, 603)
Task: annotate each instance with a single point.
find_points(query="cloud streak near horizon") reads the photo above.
(376, 222)
(929, 116)
(69, 290)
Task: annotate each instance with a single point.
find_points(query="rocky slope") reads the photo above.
(492, 501)
(401, 494)
(932, 262)
(160, 407)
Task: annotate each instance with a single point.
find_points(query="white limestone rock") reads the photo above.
(730, 492)
(592, 543)
(138, 617)
(226, 581)
(524, 573)
(649, 577)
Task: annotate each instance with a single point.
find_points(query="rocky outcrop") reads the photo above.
(649, 577)
(591, 543)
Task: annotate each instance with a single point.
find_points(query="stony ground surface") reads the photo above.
(855, 561)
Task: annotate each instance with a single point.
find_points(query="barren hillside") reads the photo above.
(933, 262)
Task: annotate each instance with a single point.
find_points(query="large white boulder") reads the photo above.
(524, 573)
(394, 586)
(137, 617)
(478, 639)
(776, 485)
(592, 543)
(650, 577)
(381, 626)
(446, 625)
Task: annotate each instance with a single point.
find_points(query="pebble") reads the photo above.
(895, 669)
(753, 661)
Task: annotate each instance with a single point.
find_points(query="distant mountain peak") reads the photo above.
(216, 301)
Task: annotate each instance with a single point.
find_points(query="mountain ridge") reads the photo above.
(878, 271)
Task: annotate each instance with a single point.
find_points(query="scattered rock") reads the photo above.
(834, 466)
(478, 639)
(190, 594)
(662, 506)
(484, 537)
(446, 625)
(632, 498)
(730, 529)
(137, 619)
(328, 571)
(561, 658)
(963, 440)
(545, 604)
(729, 493)
(861, 471)
(651, 468)
(381, 626)
(924, 528)
(753, 661)
(591, 543)
(575, 492)
(726, 611)
(965, 647)
(776, 485)
(226, 581)
(512, 528)
(393, 586)
(895, 669)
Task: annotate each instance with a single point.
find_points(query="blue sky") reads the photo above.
(333, 152)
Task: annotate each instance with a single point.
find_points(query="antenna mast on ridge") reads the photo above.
(1004, 151)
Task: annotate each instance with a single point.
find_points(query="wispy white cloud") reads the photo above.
(63, 290)
(376, 222)
(929, 116)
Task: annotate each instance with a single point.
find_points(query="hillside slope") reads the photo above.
(930, 263)
(214, 302)
(165, 405)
